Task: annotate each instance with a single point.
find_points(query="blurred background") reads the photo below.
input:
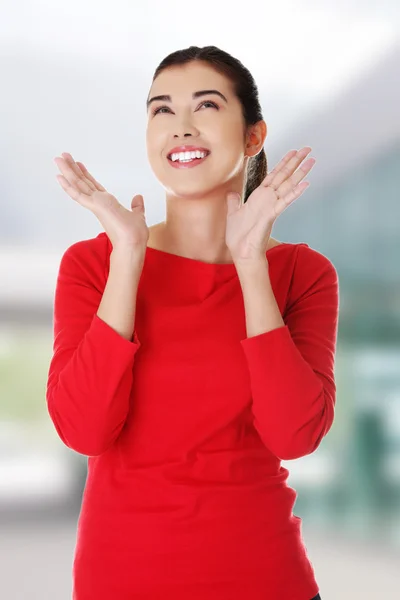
(74, 78)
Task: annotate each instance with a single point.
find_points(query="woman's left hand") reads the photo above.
(249, 225)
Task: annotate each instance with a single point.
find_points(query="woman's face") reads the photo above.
(207, 121)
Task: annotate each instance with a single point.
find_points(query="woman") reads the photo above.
(192, 356)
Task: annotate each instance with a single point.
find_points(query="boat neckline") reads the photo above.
(229, 265)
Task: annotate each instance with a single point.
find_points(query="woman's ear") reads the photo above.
(256, 138)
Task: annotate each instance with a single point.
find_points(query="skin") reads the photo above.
(196, 208)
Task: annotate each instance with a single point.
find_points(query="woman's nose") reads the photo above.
(184, 127)
(185, 135)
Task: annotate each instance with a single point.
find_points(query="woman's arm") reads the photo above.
(90, 374)
(118, 304)
(292, 366)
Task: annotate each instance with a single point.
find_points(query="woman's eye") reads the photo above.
(157, 110)
(209, 102)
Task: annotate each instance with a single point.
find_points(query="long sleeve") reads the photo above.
(292, 367)
(90, 374)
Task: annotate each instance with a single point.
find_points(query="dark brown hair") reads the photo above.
(245, 89)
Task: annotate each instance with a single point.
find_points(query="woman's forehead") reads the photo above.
(188, 79)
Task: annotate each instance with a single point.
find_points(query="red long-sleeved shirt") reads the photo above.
(185, 425)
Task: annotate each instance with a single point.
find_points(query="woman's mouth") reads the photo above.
(187, 163)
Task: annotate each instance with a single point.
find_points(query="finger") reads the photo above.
(288, 167)
(75, 167)
(73, 174)
(75, 194)
(90, 177)
(302, 171)
(295, 179)
(278, 167)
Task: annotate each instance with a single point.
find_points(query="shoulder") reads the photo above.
(90, 256)
(313, 274)
(310, 264)
(94, 245)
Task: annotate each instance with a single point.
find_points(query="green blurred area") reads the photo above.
(24, 362)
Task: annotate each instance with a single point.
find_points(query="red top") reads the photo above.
(185, 426)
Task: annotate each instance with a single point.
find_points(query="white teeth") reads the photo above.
(187, 156)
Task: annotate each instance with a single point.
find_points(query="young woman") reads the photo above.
(192, 357)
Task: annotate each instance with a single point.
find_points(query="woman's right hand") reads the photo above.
(125, 228)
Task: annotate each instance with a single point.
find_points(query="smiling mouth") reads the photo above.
(169, 156)
(188, 162)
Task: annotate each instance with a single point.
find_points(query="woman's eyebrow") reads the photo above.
(167, 97)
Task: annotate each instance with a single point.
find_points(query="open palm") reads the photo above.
(249, 225)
